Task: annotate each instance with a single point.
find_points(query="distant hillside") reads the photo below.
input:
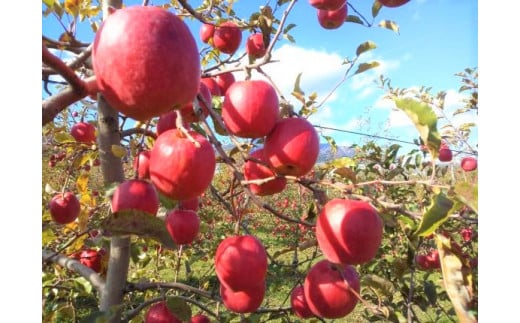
(327, 154)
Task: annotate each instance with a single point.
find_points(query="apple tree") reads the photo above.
(148, 216)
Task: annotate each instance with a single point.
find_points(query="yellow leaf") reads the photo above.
(72, 7)
(118, 151)
(82, 183)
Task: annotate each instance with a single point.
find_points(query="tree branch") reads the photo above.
(77, 267)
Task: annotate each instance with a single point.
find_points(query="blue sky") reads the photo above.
(437, 39)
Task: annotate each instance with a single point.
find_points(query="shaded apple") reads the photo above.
(243, 301)
(254, 171)
(83, 132)
(445, 154)
(146, 61)
(292, 147)
(212, 85)
(142, 164)
(182, 225)
(332, 19)
(255, 46)
(160, 313)
(188, 112)
(224, 81)
(349, 231)
(327, 293)
(137, 195)
(200, 318)
(299, 304)
(227, 37)
(64, 207)
(327, 4)
(237, 255)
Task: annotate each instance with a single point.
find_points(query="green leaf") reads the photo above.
(467, 193)
(179, 308)
(364, 47)
(366, 66)
(436, 214)
(375, 8)
(379, 284)
(389, 24)
(354, 19)
(425, 121)
(430, 291)
(457, 279)
(84, 285)
(139, 223)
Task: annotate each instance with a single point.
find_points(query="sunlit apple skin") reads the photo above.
(468, 164)
(241, 262)
(255, 46)
(227, 37)
(83, 132)
(299, 304)
(332, 19)
(393, 3)
(146, 61)
(243, 301)
(142, 164)
(178, 168)
(212, 85)
(327, 4)
(349, 231)
(182, 225)
(254, 170)
(250, 108)
(224, 81)
(64, 207)
(160, 313)
(188, 112)
(326, 292)
(135, 194)
(206, 32)
(292, 147)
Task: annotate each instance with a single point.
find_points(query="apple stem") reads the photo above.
(183, 130)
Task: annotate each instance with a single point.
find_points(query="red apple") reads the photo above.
(135, 194)
(421, 262)
(349, 231)
(206, 32)
(468, 164)
(327, 4)
(91, 258)
(160, 313)
(64, 207)
(178, 168)
(326, 291)
(250, 108)
(254, 170)
(191, 204)
(83, 132)
(243, 301)
(227, 37)
(241, 262)
(146, 61)
(332, 19)
(200, 318)
(142, 164)
(224, 81)
(183, 225)
(292, 147)
(255, 46)
(445, 154)
(393, 3)
(212, 85)
(299, 304)
(188, 112)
